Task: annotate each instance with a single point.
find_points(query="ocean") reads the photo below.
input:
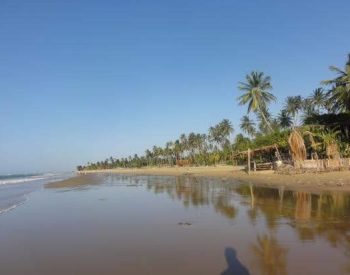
(15, 189)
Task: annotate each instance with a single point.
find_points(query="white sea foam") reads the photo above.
(14, 189)
(11, 207)
(19, 180)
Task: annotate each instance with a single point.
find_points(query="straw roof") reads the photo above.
(256, 150)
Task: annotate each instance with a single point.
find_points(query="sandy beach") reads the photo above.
(313, 182)
(125, 224)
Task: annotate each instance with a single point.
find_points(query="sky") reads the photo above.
(84, 80)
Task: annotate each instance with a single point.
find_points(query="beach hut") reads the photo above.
(253, 165)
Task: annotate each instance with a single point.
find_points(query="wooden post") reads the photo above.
(278, 153)
(233, 159)
(248, 161)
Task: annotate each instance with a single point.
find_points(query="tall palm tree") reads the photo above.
(148, 155)
(284, 119)
(308, 108)
(192, 143)
(293, 106)
(183, 144)
(177, 149)
(318, 99)
(248, 126)
(226, 129)
(256, 93)
(261, 117)
(220, 132)
(214, 135)
(340, 88)
(169, 151)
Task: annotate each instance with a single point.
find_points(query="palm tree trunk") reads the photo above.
(265, 119)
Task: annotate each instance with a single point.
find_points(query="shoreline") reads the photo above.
(310, 182)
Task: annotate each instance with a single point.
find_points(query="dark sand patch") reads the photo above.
(76, 182)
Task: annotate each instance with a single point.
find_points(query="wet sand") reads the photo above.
(313, 182)
(123, 224)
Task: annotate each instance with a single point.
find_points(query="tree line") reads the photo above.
(324, 116)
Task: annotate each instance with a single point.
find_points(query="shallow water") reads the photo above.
(15, 189)
(175, 225)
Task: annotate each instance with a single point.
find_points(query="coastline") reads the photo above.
(311, 182)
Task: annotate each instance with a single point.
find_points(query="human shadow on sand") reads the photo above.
(234, 266)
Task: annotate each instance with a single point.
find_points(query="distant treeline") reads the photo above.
(324, 117)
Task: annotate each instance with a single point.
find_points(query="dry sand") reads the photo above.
(312, 182)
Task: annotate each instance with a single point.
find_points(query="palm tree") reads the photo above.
(248, 126)
(177, 149)
(220, 132)
(293, 106)
(330, 140)
(284, 119)
(214, 135)
(226, 129)
(192, 144)
(317, 99)
(256, 93)
(148, 155)
(261, 117)
(169, 151)
(340, 88)
(308, 108)
(183, 144)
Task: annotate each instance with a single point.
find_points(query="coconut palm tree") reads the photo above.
(256, 94)
(226, 129)
(248, 126)
(339, 93)
(330, 142)
(220, 132)
(192, 143)
(148, 155)
(284, 120)
(317, 100)
(308, 108)
(293, 106)
(177, 149)
(261, 117)
(183, 146)
(169, 152)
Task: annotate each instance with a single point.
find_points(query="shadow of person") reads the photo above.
(235, 267)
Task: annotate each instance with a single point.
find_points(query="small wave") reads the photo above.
(12, 181)
(11, 207)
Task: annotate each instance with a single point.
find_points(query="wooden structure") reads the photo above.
(250, 153)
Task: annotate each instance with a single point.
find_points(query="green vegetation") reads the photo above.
(324, 117)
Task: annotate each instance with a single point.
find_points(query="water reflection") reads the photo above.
(311, 216)
(270, 255)
(197, 192)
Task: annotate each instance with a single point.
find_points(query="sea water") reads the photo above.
(16, 188)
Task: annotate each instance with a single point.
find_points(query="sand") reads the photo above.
(313, 182)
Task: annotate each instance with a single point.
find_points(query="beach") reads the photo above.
(311, 181)
(108, 223)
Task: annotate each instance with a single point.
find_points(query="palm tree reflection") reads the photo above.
(311, 216)
(197, 192)
(270, 255)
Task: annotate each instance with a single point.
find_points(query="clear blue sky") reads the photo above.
(83, 80)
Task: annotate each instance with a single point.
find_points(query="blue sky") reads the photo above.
(83, 80)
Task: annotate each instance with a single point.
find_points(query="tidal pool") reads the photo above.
(114, 224)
